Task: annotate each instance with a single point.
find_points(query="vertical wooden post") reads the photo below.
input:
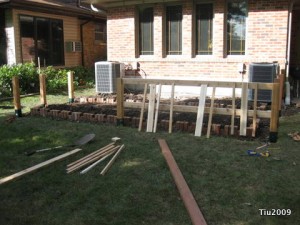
(212, 102)
(157, 108)
(43, 99)
(143, 107)
(16, 94)
(244, 110)
(71, 86)
(274, 112)
(151, 107)
(233, 110)
(171, 108)
(120, 101)
(254, 111)
(200, 112)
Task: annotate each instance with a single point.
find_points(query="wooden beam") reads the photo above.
(120, 101)
(71, 86)
(194, 109)
(211, 112)
(274, 112)
(96, 163)
(38, 166)
(184, 190)
(200, 113)
(43, 99)
(109, 164)
(233, 110)
(254, 112)
(16, 94)
(143, 107)
(244, 110)
(171, 108)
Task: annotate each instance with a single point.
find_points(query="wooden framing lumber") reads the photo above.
(275, 107)
(120, 101)
(91, 154)
(95, 163)
(184, 190)
(38, 166)
(109, 164)
(171, 108)
(90, 160)
(200, 113)
(244, 110)
(254, 112)
(71, 86)
(143, 107)
(212, 102)
(157, 108)
(233, 110)
(16, 95)
(151, 108)
(43, 98)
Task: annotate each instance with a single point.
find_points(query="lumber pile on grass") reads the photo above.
(91, 160)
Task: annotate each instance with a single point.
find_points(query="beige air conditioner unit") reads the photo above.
(73, 46)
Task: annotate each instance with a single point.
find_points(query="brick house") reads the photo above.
(207, 40)
(59, 33)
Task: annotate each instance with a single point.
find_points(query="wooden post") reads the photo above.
(16, 94)
(244, 110)
(143, 107)
(157, 108)
(71, 86)
(120, 101)
(211, 112)
(171, 108)
(274, 112)
(254, 111)
(233, 110)
(151, 107)
(201, 108)
(43, 99)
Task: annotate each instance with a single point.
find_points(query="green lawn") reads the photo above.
(138, 189)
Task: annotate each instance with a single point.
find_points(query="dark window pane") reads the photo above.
(27, 38)
(146, 31)
(57, 42)
(236, 27)
(42, 38)
(204, 24)
(174, 30)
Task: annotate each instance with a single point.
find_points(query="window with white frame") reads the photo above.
(146, 31)
(174, 30)
(100, 32)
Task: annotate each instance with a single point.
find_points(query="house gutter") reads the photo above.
(288, 56)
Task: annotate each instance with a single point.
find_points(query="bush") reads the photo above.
(28, 78)
(56, 79)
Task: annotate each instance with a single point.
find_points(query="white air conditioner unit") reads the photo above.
(262, 73)
(106, 74)
(73, 46)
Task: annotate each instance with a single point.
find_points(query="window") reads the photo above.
(236, 27)
(146, 31)
(100, 32)
(174, 30)
(204, 29)
(42, 38)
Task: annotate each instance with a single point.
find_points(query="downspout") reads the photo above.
(288, 56)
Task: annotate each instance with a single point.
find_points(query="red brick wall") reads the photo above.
(266, 39)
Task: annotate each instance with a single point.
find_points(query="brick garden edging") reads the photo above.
(180, 126)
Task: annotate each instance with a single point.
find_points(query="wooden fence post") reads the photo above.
(71, 86)
(43, 99)
(274, 112)
(120, 101)
(16, 94)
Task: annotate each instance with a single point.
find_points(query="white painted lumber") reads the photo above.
(109, 164)
(151, 107)
(201, 107)
(38, 166)
(254, 111)
(95, 163)
(244, 109)
(143, 107)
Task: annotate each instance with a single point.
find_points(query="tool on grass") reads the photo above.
(82, 141)
(254, 153)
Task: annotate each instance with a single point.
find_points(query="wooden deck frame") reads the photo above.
(272, 114)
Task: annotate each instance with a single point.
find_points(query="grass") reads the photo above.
(138, 189)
